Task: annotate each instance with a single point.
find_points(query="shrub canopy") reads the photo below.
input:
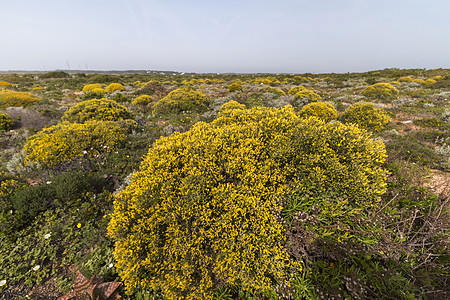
(96, 109)
(9, 98)
(182, 100)
(202, 210)
(366, 116)
(322, 110)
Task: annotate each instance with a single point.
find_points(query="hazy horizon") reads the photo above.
(245, 36)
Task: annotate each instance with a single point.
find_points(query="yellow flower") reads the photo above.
(79, 225)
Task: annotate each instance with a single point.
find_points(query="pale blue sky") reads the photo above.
(225, 36)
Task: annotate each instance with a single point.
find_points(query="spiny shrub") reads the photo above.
(96, 109)
(272, 90)
(384, 91)
(143, 100)
(201, 212)
(366, 116)
(4, 83)
(114, 87)
(94, 94)
(65, 141)
(308, 95)
(9, 98)
(182, 100)
(234, 87)
(5, 122)
(322, 110)
(90, 87)
(295, 90)
(229, 106)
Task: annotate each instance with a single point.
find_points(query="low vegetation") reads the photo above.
(202, 186)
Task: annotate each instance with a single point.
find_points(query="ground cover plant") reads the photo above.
(234, 186)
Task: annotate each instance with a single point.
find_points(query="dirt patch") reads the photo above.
(439, 182)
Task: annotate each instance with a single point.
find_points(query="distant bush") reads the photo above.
(297, 89)
(143, 100)
(366, 116)
(383, 91)
(114, 87)
(54, 74)
(273, 90)
(93, 86)
(182, 100)
(4, 83)
(202, 211)
(152, 88)
(234, 87)
(66, 141)
(5, 122)
(432, 122)
(97, 109)
(9, 98)
(322, 110)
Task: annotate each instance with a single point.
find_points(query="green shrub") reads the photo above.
(234, 87)
(69, 186)
(366, 116)
(322, 110)
(94, 94)
(114, 87)
(293, 91)
(302, 95)
(66, 141)
(382, 91)
(96, 109)
(31, 201)
(202, 210)
(10, 98)
(143, 100)
(5, 122)
(432, 122)
(182, 100)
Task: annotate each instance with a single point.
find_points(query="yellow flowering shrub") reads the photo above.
(235, 86)
(182, 100)
(296, 89)
(322, 110)
(65, 141)
(273, 90)
(230, 105)
(9, 98)
(381, 90)
(309, 95)
(5, 122)
(142, 100)
(202, 210)
(366, 116)
(97, 109)
(4, 83)
(114, 87)
(90, 87)
(405, 79)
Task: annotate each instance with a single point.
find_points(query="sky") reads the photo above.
(228, 36)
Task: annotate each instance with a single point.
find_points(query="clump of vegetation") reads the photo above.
(272, 90)
(114, 87)
(97, 109)
(5, 122)
(366, 116)
(207, 199)
(303, 96)
(229, 106)
(234, 87)
(4, 83)
(382, 90)
(9, 98)
(66, 141)
(91, 87)
(322, 110)
(143, 100)
(182, 100)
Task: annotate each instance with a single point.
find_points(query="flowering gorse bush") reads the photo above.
(4, 83)
(272, 90)
(143, 100)
(65, 141)
(366, 116)
(301, 93)
(322, 110)
(9, 98)
(96, 109)
(203, 209)
(93, 86)
(382, 90)
(234, 87)
(114, 87)
(182, 100)
(5, 122)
